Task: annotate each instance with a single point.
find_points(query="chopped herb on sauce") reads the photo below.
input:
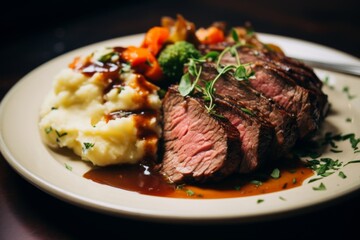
(259, 201)
(257, 183)
(189, 192)
(275, 173)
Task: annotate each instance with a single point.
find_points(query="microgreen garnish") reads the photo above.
(234, 35)
(250, 31)
(247, 111)
(239, 71)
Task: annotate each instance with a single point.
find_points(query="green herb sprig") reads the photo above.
(239, 71)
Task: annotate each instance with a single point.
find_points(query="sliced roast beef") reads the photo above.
(291, 84)
(301, 102)
(240, 93)
(257, 136)
(198, 145)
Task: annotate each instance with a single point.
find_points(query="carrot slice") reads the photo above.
(155, 39)
(143, 61)
(210, 35)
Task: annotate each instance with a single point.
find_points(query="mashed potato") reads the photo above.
(102, 124)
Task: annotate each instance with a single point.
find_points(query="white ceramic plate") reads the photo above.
(22, 147)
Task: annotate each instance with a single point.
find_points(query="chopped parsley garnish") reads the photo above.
(257, 183)
(321, 187)
(48, 130)
(282, 198)
(108, 56)
(87, 146)
(259, 201)
(275, 173)
(189, 192)
(327, 82)
(346, 90)
(342, 175)
(325, 166)
(60, 135)
(68, 167)
(352, 161)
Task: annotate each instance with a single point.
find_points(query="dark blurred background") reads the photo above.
(33, 32)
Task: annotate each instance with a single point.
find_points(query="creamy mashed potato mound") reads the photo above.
(99, 123)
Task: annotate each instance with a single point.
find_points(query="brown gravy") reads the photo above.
(142, 179)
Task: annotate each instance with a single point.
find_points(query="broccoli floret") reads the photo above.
(174, 56)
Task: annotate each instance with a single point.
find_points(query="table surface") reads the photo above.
(33, 33)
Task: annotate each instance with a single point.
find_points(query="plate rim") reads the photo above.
(98, 206)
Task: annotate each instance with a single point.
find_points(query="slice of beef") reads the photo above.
(240, 93)
(296, 71)
(257, 136)
(198, 145)
(287, 74)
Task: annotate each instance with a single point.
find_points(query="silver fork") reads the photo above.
(352, 69)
